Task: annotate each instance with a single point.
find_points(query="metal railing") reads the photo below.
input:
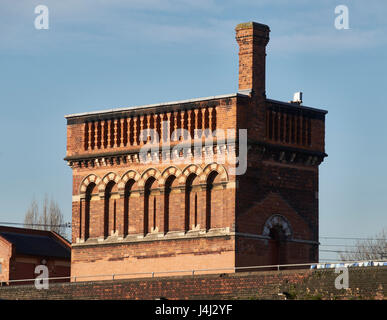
(193, 272)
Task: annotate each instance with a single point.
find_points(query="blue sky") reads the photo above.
(105, 54)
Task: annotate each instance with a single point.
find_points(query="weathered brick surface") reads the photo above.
(5, 256)
(152, 256)
(364, 283)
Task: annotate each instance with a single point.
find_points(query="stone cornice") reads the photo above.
(177, 235)
(287, 154)
(292, 107)
(151, 237)
(132, 155)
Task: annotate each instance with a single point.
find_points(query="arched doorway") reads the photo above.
(278, 229)
(277, 245)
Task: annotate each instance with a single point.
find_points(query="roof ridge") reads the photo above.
(122, 109)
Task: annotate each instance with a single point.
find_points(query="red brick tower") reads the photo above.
(182, 203)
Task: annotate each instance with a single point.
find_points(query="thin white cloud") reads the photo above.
(327, 42)
(93, 24)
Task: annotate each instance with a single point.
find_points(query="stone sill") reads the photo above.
(155, 236)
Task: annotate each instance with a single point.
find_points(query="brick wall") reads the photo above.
(153, 255)
(130, 216)
(5, 256)
(364, 283)
(269, 215)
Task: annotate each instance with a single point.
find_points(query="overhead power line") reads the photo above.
(344, 251)
(65, 225)
(339, 245)
(349, 238)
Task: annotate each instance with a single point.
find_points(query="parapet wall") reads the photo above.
(364, 283)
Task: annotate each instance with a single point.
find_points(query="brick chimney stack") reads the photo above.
(252, 39)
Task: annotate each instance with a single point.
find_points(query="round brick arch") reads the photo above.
(91, 178)
(215, 167)
(111, 176)
(170, 171)
(130, 175)
(191, 169)
(151, 172)
(127, 176)
(277, 220)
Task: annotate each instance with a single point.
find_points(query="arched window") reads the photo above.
(88, 210)
(196, 210)
(209, 198)
(110, 210)
(168, 188)
(149, 206)
(191, 207)
(127, 206)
